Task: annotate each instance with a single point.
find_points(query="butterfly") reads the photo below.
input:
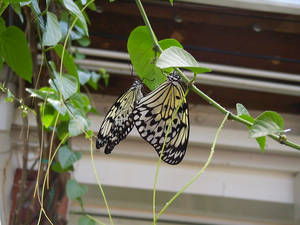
(118, 121)
(153, 114)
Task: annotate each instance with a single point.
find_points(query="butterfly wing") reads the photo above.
(154, 113)
(118, 122)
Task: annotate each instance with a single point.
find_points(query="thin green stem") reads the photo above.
(99, 183)
(64, 47)
(148, 25)
(212, 150)
(94, 219)
(200, 93)
(44, 182)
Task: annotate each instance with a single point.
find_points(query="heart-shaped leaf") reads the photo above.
(75, 190)
(15, 51)
(142, 56)
(67, 157)
(267, 123)
(77, 125)
(178, 57)
(241, 110)
(52, 34)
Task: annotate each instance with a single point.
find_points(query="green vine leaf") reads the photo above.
(75, 190)
(241, 110)
(83, 76)
(68, 60)
(15, 51)
(52, 34)
(51, 96)
(142, 56)
(2, 25)
(66, 157)
(15, 1)
(74, 9)
(48, 115)
(260, 140)
(67, 85)
(267, 123)
(243, 113)
(17, 8)
(37, 13)
(93, 81)
(77, 125)
(57, 168)
(81, 102)
(178, 57)
(84, 41)
(62, 129)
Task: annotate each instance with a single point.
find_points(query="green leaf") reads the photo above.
(267, 123)
(89, 134)
(48, 115)
(81, 102)
(84, 76)
(74, 9)
(84, 220)
(51, 96)
(37, 13)
(105, 76)
(84, 41)
(92, 6)
(15, 51)
(62, 130)
(16, 7)
(52, 34)
(68, 60)
(178, 57)
(77, 125)
(1, 65)
(171, 2)
(16, 1)
(260, 140)
(241, 110)
(79, 55)
(93, 82)
(66, 84)
(2, 24)
(43, 93)
(75, 190)
(57, 168)
(262, 143)
(3, 7)
(66, 157)
(142, 56)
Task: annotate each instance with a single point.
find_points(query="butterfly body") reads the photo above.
(118, 122)
(162, 116)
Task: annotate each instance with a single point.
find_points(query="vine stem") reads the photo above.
(99, 183)
(199, 92)
(62, 101)
(41, 200)
(212, 150)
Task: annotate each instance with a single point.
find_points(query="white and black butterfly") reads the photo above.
(118, 122)
(153, 114)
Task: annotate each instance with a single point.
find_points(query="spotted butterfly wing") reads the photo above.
(118, 121)
(153, 114)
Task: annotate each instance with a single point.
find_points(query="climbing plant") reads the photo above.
(39, 46)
